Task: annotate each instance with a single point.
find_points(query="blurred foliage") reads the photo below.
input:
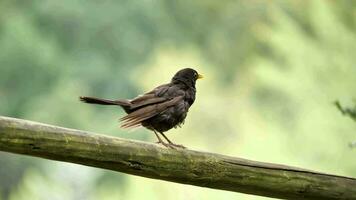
(351, 112)
(272, 68)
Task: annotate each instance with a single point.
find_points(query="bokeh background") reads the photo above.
(272, 68)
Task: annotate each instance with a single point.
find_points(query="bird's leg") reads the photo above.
(171, 143)
(159, 138)
(160, 141)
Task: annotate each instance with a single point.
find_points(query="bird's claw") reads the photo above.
(171, 145)
(164, 144)
(177, 145)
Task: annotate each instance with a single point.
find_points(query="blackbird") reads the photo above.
(161, 109)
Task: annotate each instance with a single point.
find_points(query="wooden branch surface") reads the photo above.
(181, 166)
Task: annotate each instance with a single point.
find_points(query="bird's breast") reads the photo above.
(190, 97)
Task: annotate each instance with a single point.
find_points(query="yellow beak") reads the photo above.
(200, 76)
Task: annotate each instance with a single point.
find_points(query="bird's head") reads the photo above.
(188, 76)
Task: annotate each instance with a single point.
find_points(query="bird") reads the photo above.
(159, 110)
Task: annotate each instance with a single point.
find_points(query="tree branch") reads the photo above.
(351, 112)
(181, 166)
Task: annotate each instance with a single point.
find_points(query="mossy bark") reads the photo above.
(175, 165)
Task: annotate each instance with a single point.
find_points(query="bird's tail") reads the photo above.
(94, 100)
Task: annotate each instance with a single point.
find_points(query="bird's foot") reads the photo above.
(178, 146)
(171, 145)
(164, 144)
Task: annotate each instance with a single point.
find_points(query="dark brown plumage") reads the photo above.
(161, 109)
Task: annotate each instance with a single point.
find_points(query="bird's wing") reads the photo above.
(152, 97)
(144, 100)
(135, 118)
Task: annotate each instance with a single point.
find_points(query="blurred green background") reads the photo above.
(272, 68)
